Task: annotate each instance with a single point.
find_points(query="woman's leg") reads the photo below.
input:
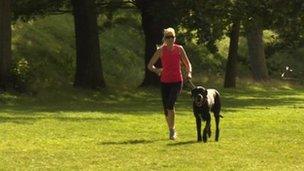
(175, 90)
(165, 92)
(171, 124)
(171, 118)
(169, 96)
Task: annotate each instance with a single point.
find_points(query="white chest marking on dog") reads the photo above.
(210, 96)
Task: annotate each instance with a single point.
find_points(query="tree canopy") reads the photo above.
(198, 22)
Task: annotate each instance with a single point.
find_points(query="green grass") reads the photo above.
(262, 129)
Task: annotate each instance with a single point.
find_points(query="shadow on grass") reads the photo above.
(141, 102)
(129, 142)
(32, 119)
(141, 107)
(182, 143)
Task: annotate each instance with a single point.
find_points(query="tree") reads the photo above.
(5, 42)
(288, 23)
(256, 51)
(284, 16)
(29, 9)
(153, 36)
(88, 63)
(205, 20)
(156, 16)
(88, 66)
(231, 67)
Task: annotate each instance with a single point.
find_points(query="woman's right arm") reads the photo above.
(153, 60)
(187, 63)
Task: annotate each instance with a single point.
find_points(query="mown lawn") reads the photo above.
(262, 129)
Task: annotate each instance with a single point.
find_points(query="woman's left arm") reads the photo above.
(186, 62)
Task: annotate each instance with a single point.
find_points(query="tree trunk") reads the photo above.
(5, 42)
(256, 51)
(231, 67)
(153, 36)
(153, 30)
(89, 72)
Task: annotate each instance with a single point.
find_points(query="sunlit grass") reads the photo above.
(262, 129)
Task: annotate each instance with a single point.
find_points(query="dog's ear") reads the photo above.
(192, 92)
(205, 92)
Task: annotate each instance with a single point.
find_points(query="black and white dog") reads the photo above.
(204, 102)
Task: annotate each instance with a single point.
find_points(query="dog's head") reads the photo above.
(199, 95)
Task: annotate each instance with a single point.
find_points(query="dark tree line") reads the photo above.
(5, 42)
(155, 17)
(89, 69)
(210, 19)
(231, 66)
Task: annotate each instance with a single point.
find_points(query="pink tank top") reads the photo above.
(171, 63)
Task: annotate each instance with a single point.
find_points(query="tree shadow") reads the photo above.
(31, 119)
(140, 103)
(18, 120)
(182, 143)
(129, 142)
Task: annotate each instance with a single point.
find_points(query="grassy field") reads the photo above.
(262, 129)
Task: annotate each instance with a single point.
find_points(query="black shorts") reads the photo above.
(170, 92)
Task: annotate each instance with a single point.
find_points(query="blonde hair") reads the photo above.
(168, 31)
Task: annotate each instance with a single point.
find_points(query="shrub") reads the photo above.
(20, 73)
(122, 51)
(47, 46)
(294, 59)
(203, 61)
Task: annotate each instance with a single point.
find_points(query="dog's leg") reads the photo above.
(217, 123)
(207, 127)
(198, 127)
(217, 116)
(198, 120)
(209, 130)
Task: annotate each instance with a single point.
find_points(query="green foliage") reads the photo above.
(27, 9)
(203, 61)
(206, 19)
(223, 47)
(20, 73)
(279, 56)
(285, 17)
(48, 47)
(289, 23)
(122, 49)
(275, 63)
(294, 59)
(122, 52)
